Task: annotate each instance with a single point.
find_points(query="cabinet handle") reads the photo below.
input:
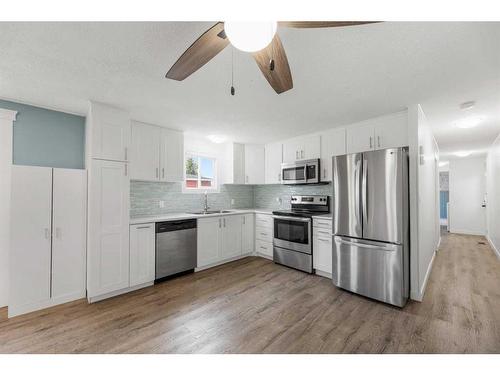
(144, 227)
(224, 220)
(244, 220)
(378, 140)
(264, 234)
(58, 232)
(279, 176)
(157, 173)
(246, 179)
(262, 247)
(163, 173)
(324, 172)
(296, 154)
(302, 154)
(220, 223)
(370, 142)
(47, 233)
(323, 240)
(126, 153)
(322, 231)
(126, 169)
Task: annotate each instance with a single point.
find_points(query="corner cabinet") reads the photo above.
(224, 238)
(157, 154)
(108, 228)
(378, 133)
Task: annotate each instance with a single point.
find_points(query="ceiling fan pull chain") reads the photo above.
(271, 62)
(232, 71)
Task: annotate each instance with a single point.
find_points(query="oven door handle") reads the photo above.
(292, 218)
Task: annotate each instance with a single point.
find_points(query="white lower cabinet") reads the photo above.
(142, 253)
(264, 229)
(322, 247)
(47, 255)
(224, 238)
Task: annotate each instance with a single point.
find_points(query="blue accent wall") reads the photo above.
(47, 138)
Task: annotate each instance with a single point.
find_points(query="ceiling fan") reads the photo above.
(259, 38)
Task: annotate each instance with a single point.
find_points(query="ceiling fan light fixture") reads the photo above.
(250, 36)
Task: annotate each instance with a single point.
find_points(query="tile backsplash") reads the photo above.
(145, 197)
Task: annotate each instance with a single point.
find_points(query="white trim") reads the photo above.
(264, 256)
(220, 262)
(118, 292)
(420, 296)
(201, 190)
(31, 307)
(49, 108)
(495, 250)
(323, 273)
(7, 114)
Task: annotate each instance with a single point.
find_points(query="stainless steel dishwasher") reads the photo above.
(175, 248)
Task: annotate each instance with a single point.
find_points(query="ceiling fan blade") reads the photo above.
(320, 24)
(280, 77)
(207, 46)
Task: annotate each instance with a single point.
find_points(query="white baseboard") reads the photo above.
(419, 296)
(495, 250)
(264, 255)
(118, 292)
(215, 264)
(466, 231)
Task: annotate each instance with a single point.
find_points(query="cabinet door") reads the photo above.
(392, 131)
(142, 253)
(238, 164)
(310, 147)
(145, 152)
(247, 233)
(172, 155)
(291, 150)
(108, 222)
(360, 138)
(322, 257)
(273, 159)
(231, 236)
(254, 164)
(69, 230)
(209, 240)
(110, 129)
(332, 144)
(30, 251)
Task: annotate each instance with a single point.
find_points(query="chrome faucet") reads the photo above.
(205, 206)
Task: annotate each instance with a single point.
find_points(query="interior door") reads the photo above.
(382, 195)
(347, 215)
(69, 230)
(30, 252)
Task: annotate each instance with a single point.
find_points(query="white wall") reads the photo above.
(424, 200)
(467, 190)
(6, 119)
(493, 195)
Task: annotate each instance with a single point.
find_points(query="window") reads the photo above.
(200, 173)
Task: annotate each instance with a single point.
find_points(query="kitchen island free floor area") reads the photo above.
(255, 306)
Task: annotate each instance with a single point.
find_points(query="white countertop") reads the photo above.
(185, 215)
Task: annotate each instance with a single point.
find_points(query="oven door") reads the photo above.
(293, 233)
(293, 174)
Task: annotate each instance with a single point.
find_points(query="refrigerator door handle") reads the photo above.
(385, 247)
(364, 189)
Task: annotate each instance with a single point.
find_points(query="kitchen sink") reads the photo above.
(210, 212)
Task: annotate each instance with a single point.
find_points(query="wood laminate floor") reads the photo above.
(255, 306)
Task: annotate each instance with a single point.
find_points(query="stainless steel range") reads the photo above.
(292, 243)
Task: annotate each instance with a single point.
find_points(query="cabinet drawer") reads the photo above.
(322, 233)
(264, 234)
(265, 248)
(263, 220)
(322, 223)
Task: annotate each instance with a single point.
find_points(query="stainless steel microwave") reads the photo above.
(300, 172)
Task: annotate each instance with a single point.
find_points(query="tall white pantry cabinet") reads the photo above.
(48, 227)
(108, 133)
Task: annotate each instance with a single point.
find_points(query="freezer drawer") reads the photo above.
(372, 269)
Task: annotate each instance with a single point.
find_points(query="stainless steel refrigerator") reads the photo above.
(371, 224)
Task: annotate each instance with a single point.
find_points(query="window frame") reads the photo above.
(200, 189)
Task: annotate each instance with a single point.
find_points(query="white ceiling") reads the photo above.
(341, 76)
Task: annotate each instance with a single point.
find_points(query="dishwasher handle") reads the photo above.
(171, 226)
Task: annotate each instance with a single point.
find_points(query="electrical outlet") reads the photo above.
(162, 204)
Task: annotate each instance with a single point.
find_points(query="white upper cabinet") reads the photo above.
(108, 229)
(301, 148)
(254, 164)
(172, 155)
(108, 130)
(392, 131)
(142, 253)
(234, 166)
(145, 152)
(332, 144)
(378, 133)
(157, 154)
(273, 159)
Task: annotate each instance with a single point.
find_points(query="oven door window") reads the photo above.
(291, 231)
(294, 174)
